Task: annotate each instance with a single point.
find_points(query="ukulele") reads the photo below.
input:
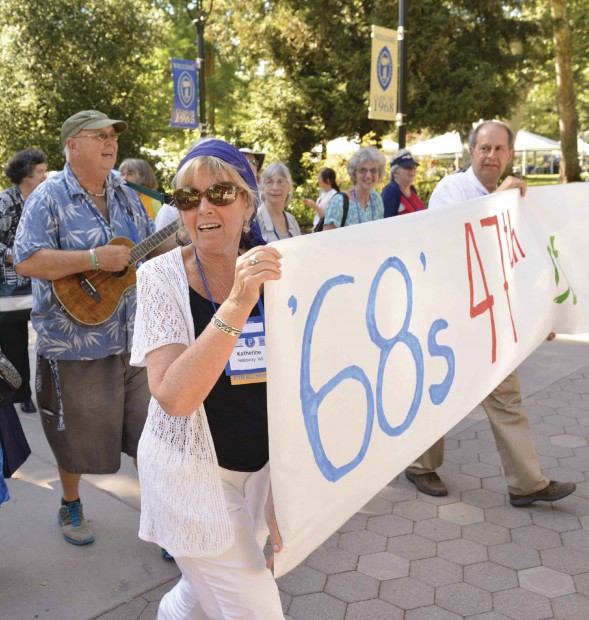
(92, 297)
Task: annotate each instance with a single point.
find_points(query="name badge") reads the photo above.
(247, 363)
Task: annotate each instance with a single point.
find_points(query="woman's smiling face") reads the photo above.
(212, 228)
(367, 175)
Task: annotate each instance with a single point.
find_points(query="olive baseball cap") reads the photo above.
(88, 119)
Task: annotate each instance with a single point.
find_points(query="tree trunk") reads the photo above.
(515, 123)
(568, 121)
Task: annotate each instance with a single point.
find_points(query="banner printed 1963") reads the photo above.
(185, 94)
(382, 336)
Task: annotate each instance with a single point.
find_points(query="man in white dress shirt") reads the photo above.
(491, 149)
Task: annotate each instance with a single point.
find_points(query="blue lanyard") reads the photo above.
(287, 229)
(96, 213)
(130, 224)
(358, 206)
(204, 281)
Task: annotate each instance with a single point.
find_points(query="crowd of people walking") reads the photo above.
(193, 414)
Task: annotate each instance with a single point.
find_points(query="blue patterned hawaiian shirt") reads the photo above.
(58, 215)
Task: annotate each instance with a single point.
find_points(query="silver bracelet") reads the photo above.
(227, 329)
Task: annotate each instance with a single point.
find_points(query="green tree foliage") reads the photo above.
(464, 61)
(283, 76)
(541, 103)
(307, 62)
(569, 168)
(61, 56)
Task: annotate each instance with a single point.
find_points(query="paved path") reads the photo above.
(403, 556)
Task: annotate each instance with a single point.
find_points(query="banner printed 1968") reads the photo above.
(383, 74)
(185, 94)
(382, 336)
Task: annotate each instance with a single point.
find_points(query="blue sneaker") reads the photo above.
(73, 526)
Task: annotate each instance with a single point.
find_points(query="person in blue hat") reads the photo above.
(400, 196)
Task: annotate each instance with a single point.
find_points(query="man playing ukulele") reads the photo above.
(93, 403)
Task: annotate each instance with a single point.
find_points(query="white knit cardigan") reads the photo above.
(182, 504)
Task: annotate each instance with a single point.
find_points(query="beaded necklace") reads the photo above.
(101, 195)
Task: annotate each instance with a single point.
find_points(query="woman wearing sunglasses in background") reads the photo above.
(203, 454)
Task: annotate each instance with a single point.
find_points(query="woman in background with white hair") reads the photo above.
(274, 221)
(366, 167)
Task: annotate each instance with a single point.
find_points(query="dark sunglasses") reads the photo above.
(218, 194)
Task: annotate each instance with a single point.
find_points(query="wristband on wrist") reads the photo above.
(226, 329)
(94, 258)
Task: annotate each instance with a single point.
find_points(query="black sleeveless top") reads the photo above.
(237, 414)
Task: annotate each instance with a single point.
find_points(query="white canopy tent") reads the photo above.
(346, 147)
(526, 142)
(389, 147)
(582, 147)
(342, 146)
(446, 144)
(450, 145)
(440, 146)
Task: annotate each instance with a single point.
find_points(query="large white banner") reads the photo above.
(381, 337)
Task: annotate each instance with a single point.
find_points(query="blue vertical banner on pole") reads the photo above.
(185, 77)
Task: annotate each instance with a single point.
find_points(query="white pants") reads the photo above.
(235, 585)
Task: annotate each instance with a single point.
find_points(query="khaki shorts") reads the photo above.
(105, 406)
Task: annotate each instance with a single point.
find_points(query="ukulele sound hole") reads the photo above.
(120, 274)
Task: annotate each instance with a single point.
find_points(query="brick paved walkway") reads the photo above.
(403, 556)
(409, 556)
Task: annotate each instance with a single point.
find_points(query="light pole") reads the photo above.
(198, 15)
(402, 73)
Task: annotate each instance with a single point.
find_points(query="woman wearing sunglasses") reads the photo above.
(203, 454)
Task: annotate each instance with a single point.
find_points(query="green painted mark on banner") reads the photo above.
(553, 253)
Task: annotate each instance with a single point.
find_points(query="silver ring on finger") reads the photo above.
(253, 260)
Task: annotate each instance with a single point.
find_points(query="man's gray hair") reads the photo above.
(474, 134)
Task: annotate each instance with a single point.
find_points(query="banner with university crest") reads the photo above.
(185, 77)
